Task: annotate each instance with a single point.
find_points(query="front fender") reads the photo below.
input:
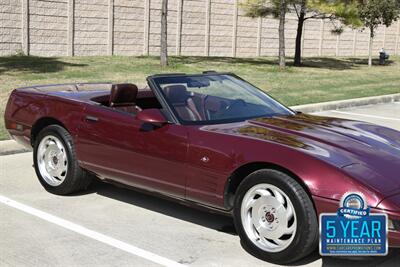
(321, 178)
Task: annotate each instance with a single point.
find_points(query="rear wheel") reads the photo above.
(55, 162)
(275, 218)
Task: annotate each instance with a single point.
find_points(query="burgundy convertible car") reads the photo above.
(214, 140)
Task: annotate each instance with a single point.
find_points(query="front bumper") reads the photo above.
(324, 205)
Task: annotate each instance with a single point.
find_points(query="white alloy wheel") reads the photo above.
(268, 217)
(52, 160)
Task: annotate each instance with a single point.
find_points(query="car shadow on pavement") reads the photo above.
(392, 259)
(182, 211)
(222, 223)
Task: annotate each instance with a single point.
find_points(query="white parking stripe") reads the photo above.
(90, 233)
(365, 115)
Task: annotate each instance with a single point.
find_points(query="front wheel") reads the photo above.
(56, 164)
(275, 217)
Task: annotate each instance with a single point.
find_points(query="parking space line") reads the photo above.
(365, 115)
(90, 233)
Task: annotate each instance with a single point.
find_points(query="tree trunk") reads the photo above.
(282, 18)
(164, 44)
(371, 42)
(300, 26)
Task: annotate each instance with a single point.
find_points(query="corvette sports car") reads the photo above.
(214, 140)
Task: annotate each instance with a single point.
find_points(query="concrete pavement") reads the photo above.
(348, 103)
(172, 231)
(383, 114)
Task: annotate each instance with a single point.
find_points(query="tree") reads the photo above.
(276, 8)
(164, 41)
(341, 10)
(282, 20)
(373, 13)
(301, 10)
(344, 11)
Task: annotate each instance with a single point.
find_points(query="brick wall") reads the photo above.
(91, 27)
(47, 27)
(221, 27)
(195, 27)
(11, 26)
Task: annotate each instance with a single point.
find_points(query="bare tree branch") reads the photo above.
(295, 8)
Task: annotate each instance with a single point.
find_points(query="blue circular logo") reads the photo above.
(353, 205)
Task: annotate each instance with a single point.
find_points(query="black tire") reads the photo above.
(305, 239)
(76, 178)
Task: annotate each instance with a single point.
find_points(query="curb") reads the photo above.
(334, 105)
(9, 147)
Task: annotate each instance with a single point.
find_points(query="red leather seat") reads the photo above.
(183, 104)
(123, 97)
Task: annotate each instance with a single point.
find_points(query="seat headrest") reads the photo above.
(123, 94)
(176, 94)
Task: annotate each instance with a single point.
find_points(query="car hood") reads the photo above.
(367, 152)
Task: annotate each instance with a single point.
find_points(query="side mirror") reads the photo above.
(152, 116)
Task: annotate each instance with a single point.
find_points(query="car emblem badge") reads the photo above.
(205, 159)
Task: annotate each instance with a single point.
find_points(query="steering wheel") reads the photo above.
(235, 103)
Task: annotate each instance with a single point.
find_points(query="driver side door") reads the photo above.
(117, 146)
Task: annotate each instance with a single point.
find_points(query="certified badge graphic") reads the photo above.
(353, 206)
(353, 230)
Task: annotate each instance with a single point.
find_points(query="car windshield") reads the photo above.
(216, 98)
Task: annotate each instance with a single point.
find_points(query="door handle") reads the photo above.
(91, 119)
